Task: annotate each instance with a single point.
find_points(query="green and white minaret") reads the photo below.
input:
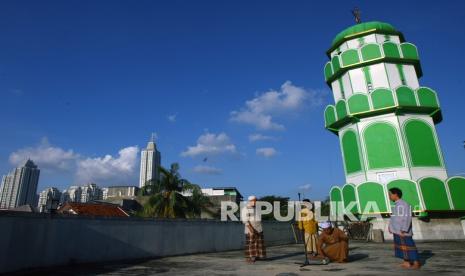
(385, 121)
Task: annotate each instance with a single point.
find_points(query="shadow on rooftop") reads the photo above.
(357, 257)
(280, 257)
(425, 255)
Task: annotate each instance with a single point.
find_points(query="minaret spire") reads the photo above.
(151, 144)
(356, 13)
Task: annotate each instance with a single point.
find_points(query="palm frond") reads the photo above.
(168, 201)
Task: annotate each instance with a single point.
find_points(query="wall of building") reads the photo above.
(463, 226)
(434, 229)
(40, 240)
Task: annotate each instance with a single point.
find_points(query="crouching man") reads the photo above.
(333, 244)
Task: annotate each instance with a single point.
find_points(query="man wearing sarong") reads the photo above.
(333, 243)
(254, 239)
(400, 225)
(309, 226)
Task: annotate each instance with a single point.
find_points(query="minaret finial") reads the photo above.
(356, 13)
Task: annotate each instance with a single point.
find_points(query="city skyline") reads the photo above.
(235, 103)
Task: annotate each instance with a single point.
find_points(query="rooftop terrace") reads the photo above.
(439, 258)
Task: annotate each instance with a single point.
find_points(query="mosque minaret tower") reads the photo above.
(385, 121)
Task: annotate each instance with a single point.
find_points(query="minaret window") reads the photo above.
(351, 153)
(372, 194)
(434, 194)
(382, 146)
(422, 144)
(457, 191)
(409, 192)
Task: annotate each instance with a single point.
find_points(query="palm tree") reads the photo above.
(169, 196)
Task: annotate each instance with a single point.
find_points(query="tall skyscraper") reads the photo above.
(20, 186)
(150, 160)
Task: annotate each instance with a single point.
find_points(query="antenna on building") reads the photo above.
(152, 139)
(356, 13)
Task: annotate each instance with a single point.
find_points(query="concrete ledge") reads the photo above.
(432, 230)
(37, 240)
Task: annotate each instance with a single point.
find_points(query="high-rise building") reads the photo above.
(20, 186)
(91, 192)
(150, 160)
(120, 192)
(82, 194)
(104, 193)
(49, 200)
(72, 194)
(216, 196)
(386, 124)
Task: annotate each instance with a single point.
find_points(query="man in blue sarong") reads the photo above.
(400, 225)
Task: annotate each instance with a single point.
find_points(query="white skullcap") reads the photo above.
(325, 224)
(252, 197)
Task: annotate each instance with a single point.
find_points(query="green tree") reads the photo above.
(325, 206)
(168, 199)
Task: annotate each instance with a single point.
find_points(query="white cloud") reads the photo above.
(260, 121)
(305, 187)
(211, 144)
(260, 137)
(172, 118)
(206, 170)
(45, 156)
(261, 110)
(102, 169)
(266, 152)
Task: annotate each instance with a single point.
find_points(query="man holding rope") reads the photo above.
(309, 226)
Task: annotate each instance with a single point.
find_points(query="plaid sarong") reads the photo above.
(255, 247)
(405, 248)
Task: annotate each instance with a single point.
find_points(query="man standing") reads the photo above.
(400, 225)
(309, 226)
(333, 243)
(254, 239)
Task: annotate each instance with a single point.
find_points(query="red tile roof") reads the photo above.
(92, 209)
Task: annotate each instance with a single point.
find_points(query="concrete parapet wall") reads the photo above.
(434, 229)
(37, 240)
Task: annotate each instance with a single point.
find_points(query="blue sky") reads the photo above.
(83, 84)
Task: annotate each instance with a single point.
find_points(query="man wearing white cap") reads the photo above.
(254, 239)
(333, 243)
